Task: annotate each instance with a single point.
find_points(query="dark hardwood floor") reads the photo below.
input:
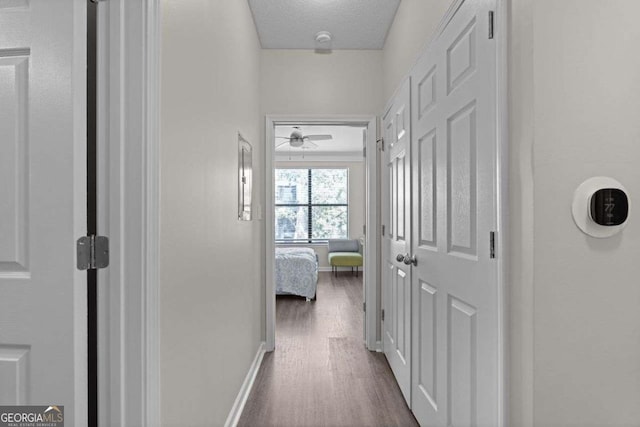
(321, 374)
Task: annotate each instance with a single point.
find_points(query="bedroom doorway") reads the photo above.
(321, 186)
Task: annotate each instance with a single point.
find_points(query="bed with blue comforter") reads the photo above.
(296, 272)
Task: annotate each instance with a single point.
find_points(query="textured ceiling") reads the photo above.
(293, 24)
(346, 139)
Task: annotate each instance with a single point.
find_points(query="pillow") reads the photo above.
(344, 245)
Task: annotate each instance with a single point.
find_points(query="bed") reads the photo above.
(296, 272)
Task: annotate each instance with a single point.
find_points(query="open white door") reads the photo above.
(455, 373)
(396, 243)
(43, 314)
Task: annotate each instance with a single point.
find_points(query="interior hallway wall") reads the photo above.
(343, 82)
(586, 293)
(210, 288)
(415, 23)
(304, 82)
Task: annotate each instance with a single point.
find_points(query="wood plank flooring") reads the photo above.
(321, 374)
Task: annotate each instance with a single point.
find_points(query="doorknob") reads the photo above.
(400, 257)
(413, 260)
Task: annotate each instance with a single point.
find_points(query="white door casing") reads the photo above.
(371, 246)
(128, 207)
(455, 372)
(396, 275)
(43, 330)
(368, 206)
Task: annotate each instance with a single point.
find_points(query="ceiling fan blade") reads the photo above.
(281, 144)
(285, 137)
(318, 137)
(313, 145)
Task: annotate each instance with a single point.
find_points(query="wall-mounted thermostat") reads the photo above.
(600, 207)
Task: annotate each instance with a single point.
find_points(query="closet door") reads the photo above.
(455, 306)
(396, 275)
(43, 208)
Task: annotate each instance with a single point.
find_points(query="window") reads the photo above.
(311, 204)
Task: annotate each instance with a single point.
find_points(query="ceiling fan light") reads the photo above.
(296, 142)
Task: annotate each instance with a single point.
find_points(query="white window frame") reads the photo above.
(310, 240)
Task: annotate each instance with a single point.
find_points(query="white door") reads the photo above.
(396, 275)
(43, 315)
(455, 372)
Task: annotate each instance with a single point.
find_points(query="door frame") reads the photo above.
(128, 211)
(502, 193)
(372, 282)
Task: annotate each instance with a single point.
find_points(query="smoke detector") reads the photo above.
(323, 37)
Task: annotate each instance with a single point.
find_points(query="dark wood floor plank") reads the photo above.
(321, 374)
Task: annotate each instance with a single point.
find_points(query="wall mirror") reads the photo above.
(245, 178)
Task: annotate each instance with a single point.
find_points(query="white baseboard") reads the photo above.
(379, 348)
(241, 399)
(325, 268)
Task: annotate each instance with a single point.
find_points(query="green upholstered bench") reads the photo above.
(344, 253)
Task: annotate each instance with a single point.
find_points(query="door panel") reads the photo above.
(396, 283)
(461, 181)
(14, 80)
(462, 363)
(427, 326)
(43, 341)
(427, 200)
(389, 327)
(402, 295)
(455, 342)
(400, 200)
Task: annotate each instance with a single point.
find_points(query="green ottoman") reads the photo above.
(345, 253)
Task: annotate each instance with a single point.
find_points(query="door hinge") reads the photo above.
(364, 306)
(383, 228)
(491, 24)
(364, 152)
(92, 252)
(382, 316)
(364, 229)
(492, 244)
(380, 142)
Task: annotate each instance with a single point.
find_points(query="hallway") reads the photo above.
(321, 373)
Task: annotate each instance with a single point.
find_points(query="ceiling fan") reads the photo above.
(298, 140)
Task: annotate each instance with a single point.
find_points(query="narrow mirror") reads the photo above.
(245, 178)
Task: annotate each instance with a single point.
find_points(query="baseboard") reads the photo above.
(325, 268)
(241, 399)
(379, 348)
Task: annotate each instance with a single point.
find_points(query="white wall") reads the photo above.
(575, 339)
(210, 296)
(586, 303)
(414, 24)
(305, 82)
(356, 200)
(344, 82)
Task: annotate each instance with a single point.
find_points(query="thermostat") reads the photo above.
(600, 207)
(609, 207)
